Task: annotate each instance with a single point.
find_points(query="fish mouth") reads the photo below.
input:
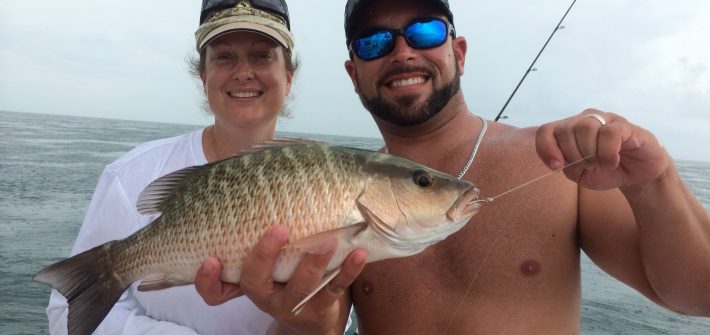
(464, 207)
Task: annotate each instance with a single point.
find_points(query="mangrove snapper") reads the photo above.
(390, 206)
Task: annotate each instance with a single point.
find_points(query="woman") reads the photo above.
(246, 68)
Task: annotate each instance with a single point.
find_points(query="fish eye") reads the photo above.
(423, 179)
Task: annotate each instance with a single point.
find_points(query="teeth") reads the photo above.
(407, 82)
(244, 94)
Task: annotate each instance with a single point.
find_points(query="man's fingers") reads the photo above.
(207, 281)
(352, 267)
(230, 291)
(308, 275)
(586, 132)
(546, 146)
(208, 284)
(260, 262)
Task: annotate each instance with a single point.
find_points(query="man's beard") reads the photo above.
(404, 114)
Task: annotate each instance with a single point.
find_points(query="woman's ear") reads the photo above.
(204, 82)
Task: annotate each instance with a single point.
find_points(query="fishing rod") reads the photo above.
(559, 26)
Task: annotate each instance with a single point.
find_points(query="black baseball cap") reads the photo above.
(355, 8)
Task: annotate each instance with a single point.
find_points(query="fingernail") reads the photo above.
(359, 258)
(554, 164)
(335, 290)
(207, 267)
(278, 234)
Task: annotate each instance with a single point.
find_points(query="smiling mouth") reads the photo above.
(407, 82)
(244, 95)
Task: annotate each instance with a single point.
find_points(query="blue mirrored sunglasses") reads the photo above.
(422, 33)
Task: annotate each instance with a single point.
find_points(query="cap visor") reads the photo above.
(247, 26)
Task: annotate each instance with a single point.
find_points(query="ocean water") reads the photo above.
(49, 166)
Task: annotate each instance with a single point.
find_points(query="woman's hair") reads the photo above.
(197, 66)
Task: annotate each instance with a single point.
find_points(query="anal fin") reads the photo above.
(159, 281)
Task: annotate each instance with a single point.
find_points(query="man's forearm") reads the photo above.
(674, 233)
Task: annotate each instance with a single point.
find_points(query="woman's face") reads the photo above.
(245, 79)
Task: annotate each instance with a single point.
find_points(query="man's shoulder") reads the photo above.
(512, 140)
(509, 133)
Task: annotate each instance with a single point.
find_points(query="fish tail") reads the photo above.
(90, 285)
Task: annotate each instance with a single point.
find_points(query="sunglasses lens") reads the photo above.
(374, 45)
(426, 34)
(421, 34)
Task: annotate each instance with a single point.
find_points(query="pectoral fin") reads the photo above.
(326, 241)
(328, 277)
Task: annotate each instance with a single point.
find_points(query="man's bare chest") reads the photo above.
(518, 245)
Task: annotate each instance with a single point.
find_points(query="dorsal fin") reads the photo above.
(151, 200)
(278, 143)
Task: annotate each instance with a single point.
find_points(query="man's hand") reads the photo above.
(325, 313)
(622, 154)
(214, 291)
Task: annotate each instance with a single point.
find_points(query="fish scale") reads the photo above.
(220, 221)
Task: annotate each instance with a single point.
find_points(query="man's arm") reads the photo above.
(642, 224)
(325, 313)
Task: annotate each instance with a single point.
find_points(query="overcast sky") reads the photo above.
(647, 60)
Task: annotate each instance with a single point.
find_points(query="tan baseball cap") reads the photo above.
(243, 16)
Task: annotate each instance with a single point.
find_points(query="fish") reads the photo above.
(388, 205)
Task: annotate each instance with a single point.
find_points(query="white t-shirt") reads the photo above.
(112, 215)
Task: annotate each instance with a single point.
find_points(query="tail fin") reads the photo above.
(89, 284)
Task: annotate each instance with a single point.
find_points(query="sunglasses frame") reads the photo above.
(450, 30)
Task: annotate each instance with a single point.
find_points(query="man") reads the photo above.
(515, 268)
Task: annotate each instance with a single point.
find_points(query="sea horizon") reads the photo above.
(208, 122)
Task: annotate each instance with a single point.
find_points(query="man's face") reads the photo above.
(408, 86)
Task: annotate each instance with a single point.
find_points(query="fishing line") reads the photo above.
(491, 199)
(498, 234)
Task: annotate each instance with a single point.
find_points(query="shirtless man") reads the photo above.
(515, 268)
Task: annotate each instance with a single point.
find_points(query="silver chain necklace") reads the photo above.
(484, 127)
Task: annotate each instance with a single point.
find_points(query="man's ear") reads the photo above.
(460, 46)
(351, 69)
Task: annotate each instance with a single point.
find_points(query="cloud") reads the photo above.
(126, 59)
